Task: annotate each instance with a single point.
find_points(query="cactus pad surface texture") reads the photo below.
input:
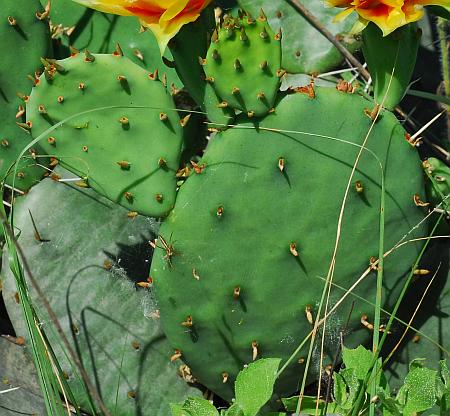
(243, 64)
(241, 260)
(305, 50)
(105, 145)
(29, 36)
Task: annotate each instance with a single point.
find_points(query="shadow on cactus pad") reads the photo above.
(87, 267)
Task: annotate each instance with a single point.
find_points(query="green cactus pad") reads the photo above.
(305, 50)
(91, 255)
(191, 42)
(439, 185)
(243, 64)
(12, 141)
(438, 193)
(241, 264)
(19, 27)
(391, 81)
(128, 154)
(29, 36)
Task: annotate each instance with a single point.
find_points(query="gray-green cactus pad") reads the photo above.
(112, 324)
(17, 374)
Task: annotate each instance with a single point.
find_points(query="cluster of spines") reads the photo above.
(236, 27)
(16, 23)
(53, 67)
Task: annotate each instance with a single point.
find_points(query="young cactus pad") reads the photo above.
(191, 42)
(126, 140)
(243, 64)
(240, 268)
(304, 49)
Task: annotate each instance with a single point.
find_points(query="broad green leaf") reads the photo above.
(340, 389)
(359, 359)
(445, 402)
(416, 363)
(389, 406)
(353, 385)
(176, 409)
(196, 406)
(445, 373)
(402, 395)
(235, 410)
(254, 385)
(420, 385)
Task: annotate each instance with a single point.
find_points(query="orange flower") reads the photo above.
(164, 17)
(388, 15)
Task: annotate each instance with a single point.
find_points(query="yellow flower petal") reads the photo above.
(338, 3)
(342, 15)
(359, 26)
(174, 10)
(107, 6)
(386, 22)
(163, 18)
(167, 28)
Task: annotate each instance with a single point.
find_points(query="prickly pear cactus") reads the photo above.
(241, 260)
(190, 44)
(439, 185)
(243, 64)
(126, 113)
(283, 200)
(111, 322)
(24, 27)
(305, 50)
(18, 375)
